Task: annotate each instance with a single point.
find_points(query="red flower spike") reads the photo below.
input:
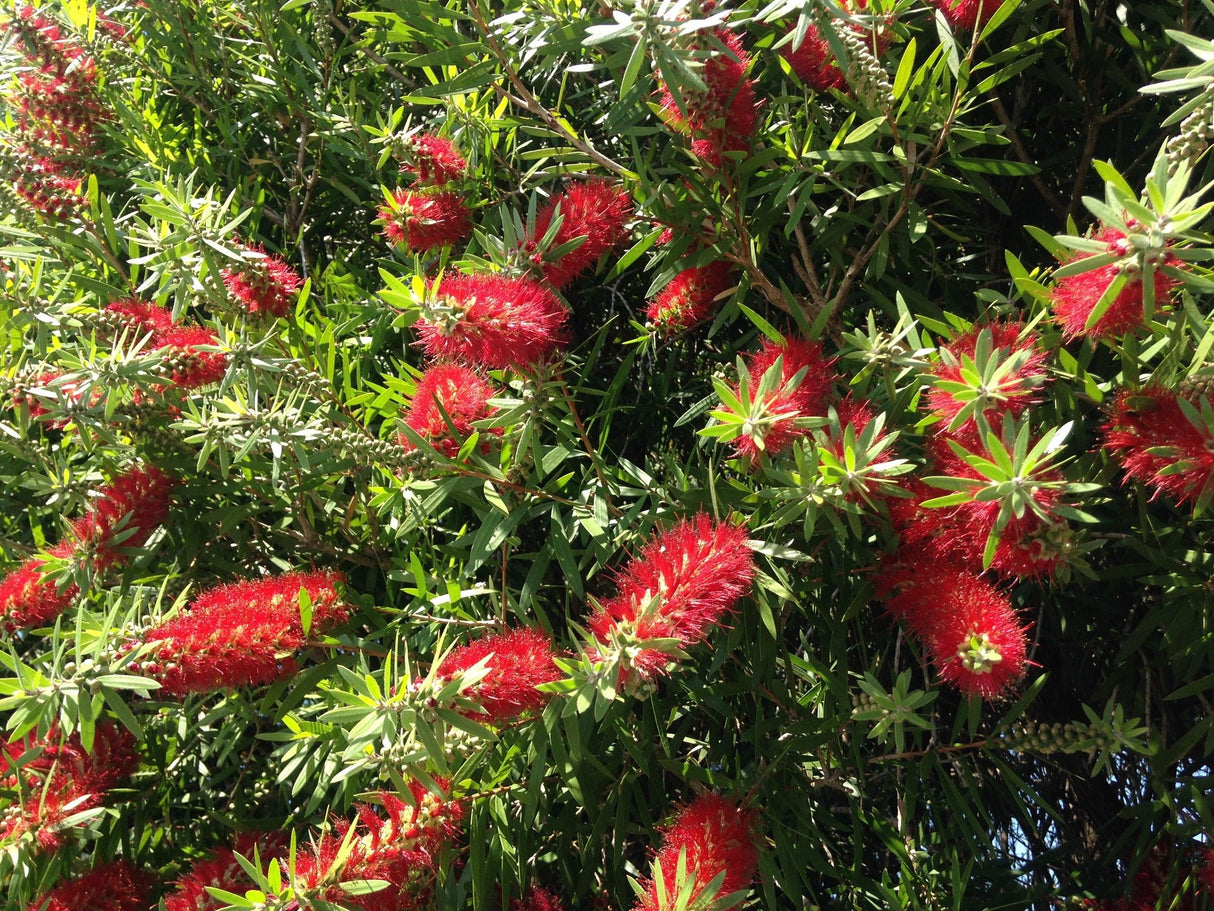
(1029, 546)
(436, 161)
(1018, 365)
(537, 899)
(967, 15)
(968, 626)
(690, 298)
(220, 870)
(1156, 443)
(1075, 296)
(141, 316)
(189, 367)
(245, 634)
(114, 886)
(460, 392)
(129, 509)
(685, 581)
(264, 284)
(713, 835)
(62, 781)
(29, 598)
(493, 321)
(807, 398)
(723, 118)
(518, 662)
(399, 849)
(422, 222)
(596, 210)
(814, 63)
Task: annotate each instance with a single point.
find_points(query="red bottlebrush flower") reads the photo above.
(436, 161)
(400, 850)
(493, 321)
(723, 118)
(1203, 872)
(967, 14)
(244, 634)
(714, 836)
(537, 899)
(114, 886)
(680, 587)
(814, 63)
(62, 781)
(220, 870)
(425, 221)
(263, 283)
(517, 662)
(141, 316)
(43, 185)
(1075, 296)
(596, 210)
(188, 366)
(464, 397)
(690, 298)
(1030, 546)
(773, 419)
(1158, 444)
(126, 513)
(1002, 378)
(29, 598)
(68, 390)
(968, 626)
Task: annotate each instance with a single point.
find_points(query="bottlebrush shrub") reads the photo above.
(760, 496)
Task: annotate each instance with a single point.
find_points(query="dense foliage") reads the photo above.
(545, 454)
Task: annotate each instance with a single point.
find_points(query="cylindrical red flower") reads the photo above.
(1005, 381)
(220, 869)
(690, 298)
(774, 418)
(493, 321)
(189, 367)
(1156, 443)
(814, 63)
(141, 316)
(710, 836)
(244, 634)
(516, 662)
(685, 581)
(448, 400)
(968, 626)
(263, 283)
(1030, 546)
(1075, 296)
(537, 898)
(63, 780)
(29, 597)
(115, 886)
(397, 845)
(723, 118)
(435, 160)
(596, 210)
(425, 221)
(967, 14)
(128, 510)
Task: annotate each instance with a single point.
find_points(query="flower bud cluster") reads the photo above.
(1196, 131)
(1072, 737)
